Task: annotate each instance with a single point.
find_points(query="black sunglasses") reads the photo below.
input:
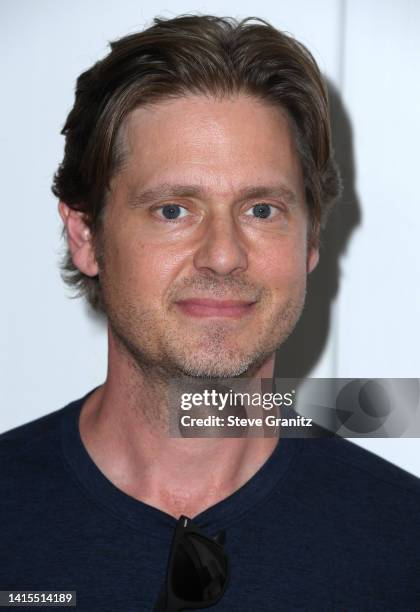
(197, 572)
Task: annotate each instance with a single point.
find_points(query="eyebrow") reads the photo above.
(167, 190)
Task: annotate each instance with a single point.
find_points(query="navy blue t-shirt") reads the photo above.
(323, 525)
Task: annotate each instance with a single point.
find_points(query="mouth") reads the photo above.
(232, 309)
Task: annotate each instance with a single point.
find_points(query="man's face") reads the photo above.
(204, 255)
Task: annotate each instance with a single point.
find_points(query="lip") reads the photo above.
(207, 307)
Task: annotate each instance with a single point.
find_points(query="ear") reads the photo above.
(312, 259)
(79, 240)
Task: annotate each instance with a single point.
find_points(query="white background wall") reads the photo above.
(364, 299)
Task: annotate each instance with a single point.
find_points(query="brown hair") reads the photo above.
(174, 57)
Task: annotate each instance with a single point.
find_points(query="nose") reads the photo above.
(222, 248)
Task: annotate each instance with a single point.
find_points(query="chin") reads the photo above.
(204, 366)
(215, 372)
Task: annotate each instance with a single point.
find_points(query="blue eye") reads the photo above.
(261, 211)
(172, 211)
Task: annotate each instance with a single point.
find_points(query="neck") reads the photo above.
(124, 427)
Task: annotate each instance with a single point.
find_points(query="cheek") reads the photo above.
(283, 266)
(139, 269)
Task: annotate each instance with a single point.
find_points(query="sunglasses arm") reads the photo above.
(161, 604)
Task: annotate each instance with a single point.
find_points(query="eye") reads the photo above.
(172, 211)
(261, 211)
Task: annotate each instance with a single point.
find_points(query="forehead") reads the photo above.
(213, 142)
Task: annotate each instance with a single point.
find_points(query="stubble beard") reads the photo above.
(163, 350)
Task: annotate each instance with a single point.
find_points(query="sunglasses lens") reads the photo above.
(199, 569)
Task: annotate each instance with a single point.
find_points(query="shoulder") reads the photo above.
(33, 444)
(34, 475)
(366, 509)
(19, 436)
(358, 485)
(346, 459)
